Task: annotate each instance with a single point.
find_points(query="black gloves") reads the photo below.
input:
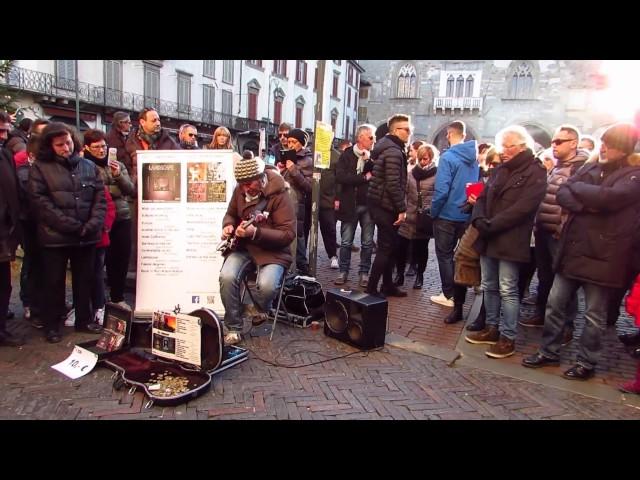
(482, 225)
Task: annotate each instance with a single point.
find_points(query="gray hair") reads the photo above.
(364, 127)
(518, 131)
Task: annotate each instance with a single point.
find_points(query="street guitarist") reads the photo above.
(264, 242)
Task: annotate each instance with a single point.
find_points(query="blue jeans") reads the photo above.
(596, 299)
(236, 266)
(500, 286)
(446, 235)
(348, 232)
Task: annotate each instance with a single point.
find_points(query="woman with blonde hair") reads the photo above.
(222, 141)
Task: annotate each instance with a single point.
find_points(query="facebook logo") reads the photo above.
(195, 299)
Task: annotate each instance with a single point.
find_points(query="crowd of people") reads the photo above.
(496, 212)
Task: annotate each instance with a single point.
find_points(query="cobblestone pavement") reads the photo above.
(391, 383)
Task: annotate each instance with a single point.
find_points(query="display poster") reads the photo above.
(182, 199)
(176, 337)
(322, 145)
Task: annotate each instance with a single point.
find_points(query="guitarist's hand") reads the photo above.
(227, 232)
(247, 231)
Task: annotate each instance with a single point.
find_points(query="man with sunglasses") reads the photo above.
(281, 144)
(188, 136)
(549, 221)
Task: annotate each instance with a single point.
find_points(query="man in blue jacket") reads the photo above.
(457, 167)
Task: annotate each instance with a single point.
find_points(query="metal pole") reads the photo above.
(315, 192)
(77, 100)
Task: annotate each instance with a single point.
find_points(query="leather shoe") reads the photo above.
(455, 315)
(538, 360)
(399, 280)
(89, 328)
(10, 314)
(578, 372)
(394, 292)
(374, 292)
(53, 336)
(419, 281)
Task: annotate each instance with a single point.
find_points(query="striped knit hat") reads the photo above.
(248, 169)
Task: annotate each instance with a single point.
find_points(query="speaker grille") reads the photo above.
(336, 315)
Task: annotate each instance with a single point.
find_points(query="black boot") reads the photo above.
(456, 314)
(419, 279)
(399, 280)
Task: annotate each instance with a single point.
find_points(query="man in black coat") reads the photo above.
(353, 174)
(596, 247)
(504, 215)
(118, 134)
(281, 144)
(386, 202)
(9, 227)
(68, 199)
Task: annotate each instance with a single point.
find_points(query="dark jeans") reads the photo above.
(97, 297)
(55, 270)
(327, 220)
(117, 258)
(387, 247)
(546, 252)
(595, 316)
(348, 232)
(419, 253)
(31, 272)
(526, 274)
(446, 235)
(5, 293)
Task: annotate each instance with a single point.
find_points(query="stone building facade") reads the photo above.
(486, 94)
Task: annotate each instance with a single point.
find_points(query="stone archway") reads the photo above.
(440, 138)
(540, 134)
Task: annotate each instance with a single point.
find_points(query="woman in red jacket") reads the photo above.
(631, 341)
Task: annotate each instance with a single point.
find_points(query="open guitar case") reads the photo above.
(137, 368)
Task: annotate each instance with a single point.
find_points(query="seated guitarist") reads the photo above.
(264, 243)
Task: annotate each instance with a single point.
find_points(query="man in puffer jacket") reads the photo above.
(386, 202)
(596, 247)
(68, 199)
(550, 219)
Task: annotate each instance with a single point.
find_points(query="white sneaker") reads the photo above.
(334, 263)
(99, 316)
(442, 300)
(70, 321)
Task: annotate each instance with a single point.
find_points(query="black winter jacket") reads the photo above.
(328, 188)
(597, 242)
(353, 186)
(388, 185)
(9, 206)
(133, 143)
(121, 187)
(116, 140)
(68, 200)
(300, 178)
(506, 208)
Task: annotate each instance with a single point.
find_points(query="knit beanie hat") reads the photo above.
(300, 135)
(621, 136)
(248, 169)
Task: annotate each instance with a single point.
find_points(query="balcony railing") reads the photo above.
(56, 87)
(462, 103)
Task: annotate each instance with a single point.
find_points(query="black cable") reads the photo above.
(275, 364)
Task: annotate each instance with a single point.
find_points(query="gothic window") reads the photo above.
(459, 86)
(469, 87)
(407, 82)
(450, 82)
(522, 82)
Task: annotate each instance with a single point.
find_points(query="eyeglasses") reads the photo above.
(98, 147)
(283, 134)
(125, 121)
(560, 141)
(506, 147)
(192, 134)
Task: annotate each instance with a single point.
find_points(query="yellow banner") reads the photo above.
(322, 145)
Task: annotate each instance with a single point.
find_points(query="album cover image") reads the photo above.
(166, 323)
(164, 344)
(196, 192)
(161, 182)
(197, 172)
(217, 191)
(215, 172)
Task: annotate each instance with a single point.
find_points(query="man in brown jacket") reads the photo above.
(264, 243)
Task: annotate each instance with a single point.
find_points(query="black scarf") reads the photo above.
(101, 162)
(420, 173)
(150, 139)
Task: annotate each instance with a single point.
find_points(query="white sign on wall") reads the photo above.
(182, 199)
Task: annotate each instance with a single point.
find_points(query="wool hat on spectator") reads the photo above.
(300, 135)
(621, 136)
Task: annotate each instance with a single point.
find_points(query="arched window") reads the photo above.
(450, 83)
(459, 86)
(522, 81)
(468, 88)
(407, 82)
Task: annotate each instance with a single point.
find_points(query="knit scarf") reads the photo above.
(420, 173)
(101, 162)
(150, 139)
(361, 160)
